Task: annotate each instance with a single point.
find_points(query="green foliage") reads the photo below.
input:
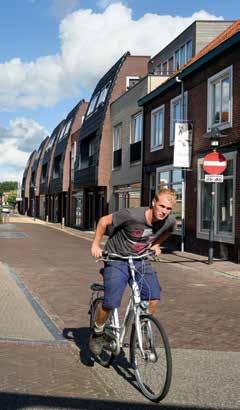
(8, 186)
(11, 198)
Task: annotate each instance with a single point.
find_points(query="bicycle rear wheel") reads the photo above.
(153, 370)
(106, 357)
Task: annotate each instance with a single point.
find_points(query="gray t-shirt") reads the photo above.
(132, 235)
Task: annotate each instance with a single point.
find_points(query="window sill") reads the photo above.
(135, 163)
(159, 147)
(222, 126)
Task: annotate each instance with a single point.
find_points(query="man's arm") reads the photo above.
(156, 245)
(102, 225)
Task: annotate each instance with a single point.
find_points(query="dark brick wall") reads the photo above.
(196, 86)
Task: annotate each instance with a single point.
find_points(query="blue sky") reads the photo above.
(52, 53)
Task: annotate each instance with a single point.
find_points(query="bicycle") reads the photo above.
(149, 346)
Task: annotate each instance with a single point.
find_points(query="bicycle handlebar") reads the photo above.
(106, 256)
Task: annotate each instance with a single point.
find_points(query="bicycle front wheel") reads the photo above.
(153, 367)
(106, 357)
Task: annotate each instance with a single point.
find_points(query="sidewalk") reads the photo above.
(189, 260)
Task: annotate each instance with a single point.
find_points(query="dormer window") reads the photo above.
(50, 143)
(92, 104)
(65, 130)
(103, 94)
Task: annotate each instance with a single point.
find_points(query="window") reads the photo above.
(189, 50)
(38, 153)
(92, 104)
(182, 55)
(169, 177)
(176, 114)
(220, 99)
(65, 130)
(177, 59)
(131, 81)
(44, 174)
(136, 128)
(117, 131)
(91, 148)
(224, 200)
(165, 68)
(50, 143)
(157, 128)
(57, 166)
(117, 152)
(103, 95)
(73, 159)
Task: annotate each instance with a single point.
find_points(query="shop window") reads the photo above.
(168, 177)
(223, 202)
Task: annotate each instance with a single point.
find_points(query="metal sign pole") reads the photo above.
(211, 227)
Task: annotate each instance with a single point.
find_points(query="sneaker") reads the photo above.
(96, 343)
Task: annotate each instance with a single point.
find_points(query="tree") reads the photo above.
(7, 186)
(11, 198)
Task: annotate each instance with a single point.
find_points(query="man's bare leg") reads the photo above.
(102, 315)
(152, 307)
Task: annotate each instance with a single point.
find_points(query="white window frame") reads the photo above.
(103, 94)
(119, 137)
(132, 77)
(93, 104)
(133, 127)
(173, 120)
(161, 144)
(204, 233)
(212, 80)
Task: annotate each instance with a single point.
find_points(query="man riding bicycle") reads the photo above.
(134, 230)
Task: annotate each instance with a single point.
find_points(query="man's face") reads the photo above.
(162, 207)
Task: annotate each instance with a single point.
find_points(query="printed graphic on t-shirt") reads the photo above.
(144, 239)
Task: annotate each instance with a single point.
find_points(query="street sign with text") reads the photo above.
(213, 178)
(214, 163)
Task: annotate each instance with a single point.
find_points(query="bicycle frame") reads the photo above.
(132, 313)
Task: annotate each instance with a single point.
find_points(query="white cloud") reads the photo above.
(90, 43)
(17, 142)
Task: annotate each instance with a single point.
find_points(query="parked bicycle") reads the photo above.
(150, 354)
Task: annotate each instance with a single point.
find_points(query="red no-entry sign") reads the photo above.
(214, 163)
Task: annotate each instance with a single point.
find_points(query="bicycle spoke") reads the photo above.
(153, 369)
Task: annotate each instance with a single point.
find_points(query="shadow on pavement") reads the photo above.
(13, 401)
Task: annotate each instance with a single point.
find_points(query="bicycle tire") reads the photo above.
(156, 386)
(106, 357)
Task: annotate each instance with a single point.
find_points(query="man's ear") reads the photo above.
(153, 201)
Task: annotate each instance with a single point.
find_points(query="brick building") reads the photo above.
(206, 92)
(94, 148)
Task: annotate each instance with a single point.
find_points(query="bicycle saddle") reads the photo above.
(97, 287)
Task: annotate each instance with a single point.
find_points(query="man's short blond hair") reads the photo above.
(166, 191)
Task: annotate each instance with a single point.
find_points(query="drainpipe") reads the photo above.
(183, 172)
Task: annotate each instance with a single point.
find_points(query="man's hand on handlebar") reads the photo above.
(96, 251)
(156, 249)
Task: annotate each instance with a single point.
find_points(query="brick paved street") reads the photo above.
(199, 309)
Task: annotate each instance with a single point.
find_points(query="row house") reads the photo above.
(205, 92)
(127, 133)
(36, 170)
(58, 196)
(94, 147)
(46, 211)
(25, 188)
